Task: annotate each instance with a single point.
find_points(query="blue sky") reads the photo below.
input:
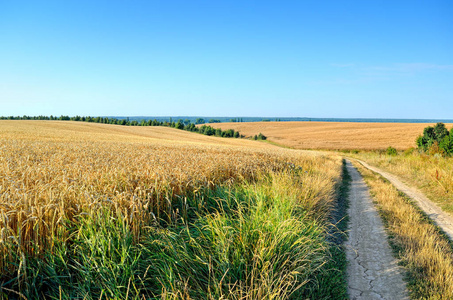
(368, 59)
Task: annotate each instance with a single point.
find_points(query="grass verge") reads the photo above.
(432, 174)
(420, 245)
(331, 281)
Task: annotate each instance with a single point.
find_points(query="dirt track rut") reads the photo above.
(373, 272)
(435, 213)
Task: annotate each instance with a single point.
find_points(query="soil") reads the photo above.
(373, 273)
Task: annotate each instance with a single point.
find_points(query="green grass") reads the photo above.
(331, 281)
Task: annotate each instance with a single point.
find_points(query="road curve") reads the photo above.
(435, 213)
(373, 273)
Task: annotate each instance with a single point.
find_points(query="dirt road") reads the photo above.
(441, 218)
(373, 273)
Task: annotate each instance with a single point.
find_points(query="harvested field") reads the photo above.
(333, 135)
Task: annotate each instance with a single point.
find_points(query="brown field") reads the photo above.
(333, 135)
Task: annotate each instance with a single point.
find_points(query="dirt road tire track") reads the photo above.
(373, 273)
(434, 212)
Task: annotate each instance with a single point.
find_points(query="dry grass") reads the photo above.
(425, 252)
(431, 174)
(53, 173)
(333, 135)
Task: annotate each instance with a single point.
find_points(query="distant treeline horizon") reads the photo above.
(179, 124)
(207, 119)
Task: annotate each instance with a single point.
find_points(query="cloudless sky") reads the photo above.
(368, 59)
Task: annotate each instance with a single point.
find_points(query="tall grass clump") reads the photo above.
(261, 249)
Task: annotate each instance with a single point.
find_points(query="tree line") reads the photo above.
(180, 124)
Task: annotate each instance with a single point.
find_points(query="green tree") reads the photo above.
(229, 133)
(446, 145)
(391, 151)
(179, 125)
(435, 139)
(440, 131)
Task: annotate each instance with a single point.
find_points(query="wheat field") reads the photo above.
(333, 135)
(61, 183)
(51, 171)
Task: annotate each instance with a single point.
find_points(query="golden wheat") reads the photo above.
(333, 135)
(51, 173)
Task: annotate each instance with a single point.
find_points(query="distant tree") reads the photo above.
(179, 125)
(191, 127)
(229, 133)
(200, 121)
(214, 121)
(207, 130)
(391, 151)
(436, 139)
(440, 131)
(446, 145)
